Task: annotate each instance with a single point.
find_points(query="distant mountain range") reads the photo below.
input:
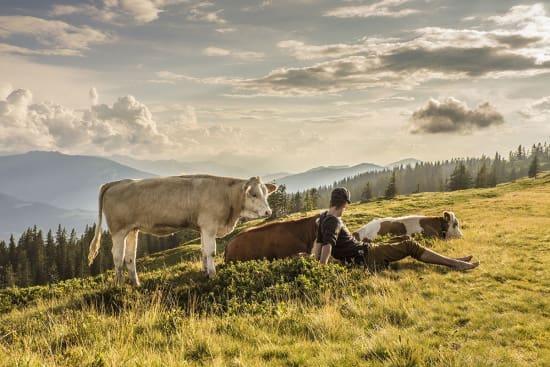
(404, 163)
(320, 176)
(51, 188)
(173, 167)
(64, 181)
(17, 215)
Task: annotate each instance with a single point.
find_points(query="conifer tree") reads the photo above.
(482, 179)
(391, 189)
(366, 194)
(460, 178)
(534, 166)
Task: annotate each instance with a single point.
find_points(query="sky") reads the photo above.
(274, 86)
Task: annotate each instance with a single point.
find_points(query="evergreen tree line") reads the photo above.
(35, 260)
(448, 175)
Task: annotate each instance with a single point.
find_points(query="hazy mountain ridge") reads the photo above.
(320, 176)
(60, 180)
(172, 167)
(17, 215)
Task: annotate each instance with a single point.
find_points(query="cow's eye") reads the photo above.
(254, 195)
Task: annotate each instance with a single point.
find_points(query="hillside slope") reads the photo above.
(412, 315)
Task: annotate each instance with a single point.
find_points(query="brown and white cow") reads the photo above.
(445, 227)
(164, 205)
(273, 241)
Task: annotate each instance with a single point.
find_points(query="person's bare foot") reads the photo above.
(463, 265)
(465, 258)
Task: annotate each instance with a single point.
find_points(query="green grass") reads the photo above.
(298, 313)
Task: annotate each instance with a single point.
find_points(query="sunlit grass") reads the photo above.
(412, 315)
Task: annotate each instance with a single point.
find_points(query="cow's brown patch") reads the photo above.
(434, 226)
(396, 228)
(356, 236)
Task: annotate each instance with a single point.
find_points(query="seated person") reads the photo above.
(336, 240)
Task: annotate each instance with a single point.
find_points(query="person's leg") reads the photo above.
(432, 257)
(383, 254)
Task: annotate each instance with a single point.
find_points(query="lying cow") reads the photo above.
(164, 205)
(445, 227)
(273, 241)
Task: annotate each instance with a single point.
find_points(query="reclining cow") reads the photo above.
(445, 227)
(273, 241)
(165, 205)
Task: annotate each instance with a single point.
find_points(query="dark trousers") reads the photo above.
(380, 255)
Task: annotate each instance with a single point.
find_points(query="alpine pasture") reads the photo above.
(298, 313)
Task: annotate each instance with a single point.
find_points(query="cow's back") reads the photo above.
(162, 205)
(407, 225)
(272, 241)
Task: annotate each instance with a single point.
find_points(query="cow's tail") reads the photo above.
(96, 241)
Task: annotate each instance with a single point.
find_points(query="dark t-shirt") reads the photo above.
(332, 231)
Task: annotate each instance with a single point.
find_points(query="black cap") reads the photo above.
(339, 196)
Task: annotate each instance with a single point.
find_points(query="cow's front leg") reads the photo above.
(203, 251)
(130, 257)
(209, 250)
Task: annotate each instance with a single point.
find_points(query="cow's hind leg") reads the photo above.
(130, 256)
(208, 239)
(118, 254)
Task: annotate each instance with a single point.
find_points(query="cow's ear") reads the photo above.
(270, 187)
(447, 216)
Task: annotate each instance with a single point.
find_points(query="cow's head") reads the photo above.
(255, 198)
(454, 226)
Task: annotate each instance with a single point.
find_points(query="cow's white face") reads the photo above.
(255, 201)
(454, 226)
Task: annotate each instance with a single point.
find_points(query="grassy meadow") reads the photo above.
(298, 313)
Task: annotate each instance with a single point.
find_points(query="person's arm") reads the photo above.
(316, 250)
(325, 253)
(331, 229)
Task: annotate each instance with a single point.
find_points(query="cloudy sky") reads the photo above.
(274, 85)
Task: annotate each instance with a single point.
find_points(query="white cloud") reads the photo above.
(125, 127)
(302, 51)
(538, 110)
(201, 12)
(117, 11)
(522, 48)
(384, 8)
(226, 30)
(94, 97)
(58, 38)
(243, 55)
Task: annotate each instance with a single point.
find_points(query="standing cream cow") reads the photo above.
(164, 205)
